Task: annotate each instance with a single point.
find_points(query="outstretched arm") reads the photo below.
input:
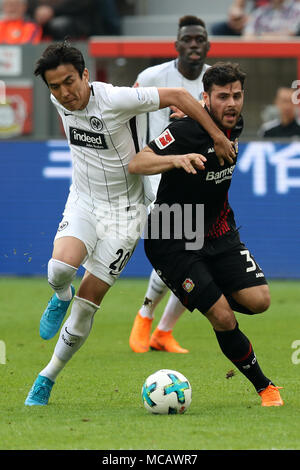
(147, 162)
(183, 100)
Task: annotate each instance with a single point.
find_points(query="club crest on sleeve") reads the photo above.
(236, 146)
(164, 139)
(188, 285)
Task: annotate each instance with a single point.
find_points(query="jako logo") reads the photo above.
(63, 225)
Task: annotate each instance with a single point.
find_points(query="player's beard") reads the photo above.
(219, 120)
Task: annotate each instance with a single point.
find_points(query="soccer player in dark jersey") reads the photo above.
(214, 272)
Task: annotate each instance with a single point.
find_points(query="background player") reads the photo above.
(99, 227)
(222, 272)
(186, 71)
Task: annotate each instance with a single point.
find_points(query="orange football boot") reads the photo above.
(139, 339)
(165, 341)
(270, 396)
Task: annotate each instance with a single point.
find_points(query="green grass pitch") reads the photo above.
(96, 401)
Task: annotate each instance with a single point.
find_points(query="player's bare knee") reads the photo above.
(225, 322)
(261, 300)
(221, 316)
(262, 303)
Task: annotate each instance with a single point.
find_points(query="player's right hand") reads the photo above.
(224, 149)
(190, 162)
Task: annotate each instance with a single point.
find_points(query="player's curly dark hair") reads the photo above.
(222, 73)
(57, 54)
(189, 20)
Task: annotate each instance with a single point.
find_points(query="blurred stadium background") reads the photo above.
(35, 166)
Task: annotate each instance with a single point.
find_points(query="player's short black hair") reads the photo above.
(222, 73)
(58, 54)
(189, 20)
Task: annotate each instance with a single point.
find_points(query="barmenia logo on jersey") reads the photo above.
(220, 176)
(87, 139)
(164, 139)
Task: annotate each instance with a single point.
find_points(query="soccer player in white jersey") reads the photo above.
(185, 71)
(99, 225)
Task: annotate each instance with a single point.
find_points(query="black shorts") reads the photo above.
(199, 277)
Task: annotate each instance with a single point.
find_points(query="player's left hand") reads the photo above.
(189, 162)
(177, 113)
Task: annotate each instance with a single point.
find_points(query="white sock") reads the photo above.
(173, 311)
(73, 334)
(60, 277)
(53, 368)
(66, 294)
(155, 292)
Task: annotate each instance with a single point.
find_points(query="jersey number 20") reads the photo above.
(120, 262)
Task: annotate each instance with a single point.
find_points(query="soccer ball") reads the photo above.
(167, 392)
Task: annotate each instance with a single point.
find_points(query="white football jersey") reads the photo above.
(103, 138)
(164, 75)
(167, 75)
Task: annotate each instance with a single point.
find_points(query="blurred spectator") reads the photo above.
(237, 17)
(61, 18)
(106, 18)
(15, 27)
(287, 123)
(279, 18)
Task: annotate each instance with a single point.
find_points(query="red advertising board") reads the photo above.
(16, 109)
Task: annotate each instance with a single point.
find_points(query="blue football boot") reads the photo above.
(40, 391)
(53, 316)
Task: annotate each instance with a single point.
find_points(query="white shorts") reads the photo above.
(110, 241)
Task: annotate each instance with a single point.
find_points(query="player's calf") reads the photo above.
(235, 345)
(76, 329)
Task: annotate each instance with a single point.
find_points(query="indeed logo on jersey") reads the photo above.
(164, 139)
(87, 139)
(220, 176)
